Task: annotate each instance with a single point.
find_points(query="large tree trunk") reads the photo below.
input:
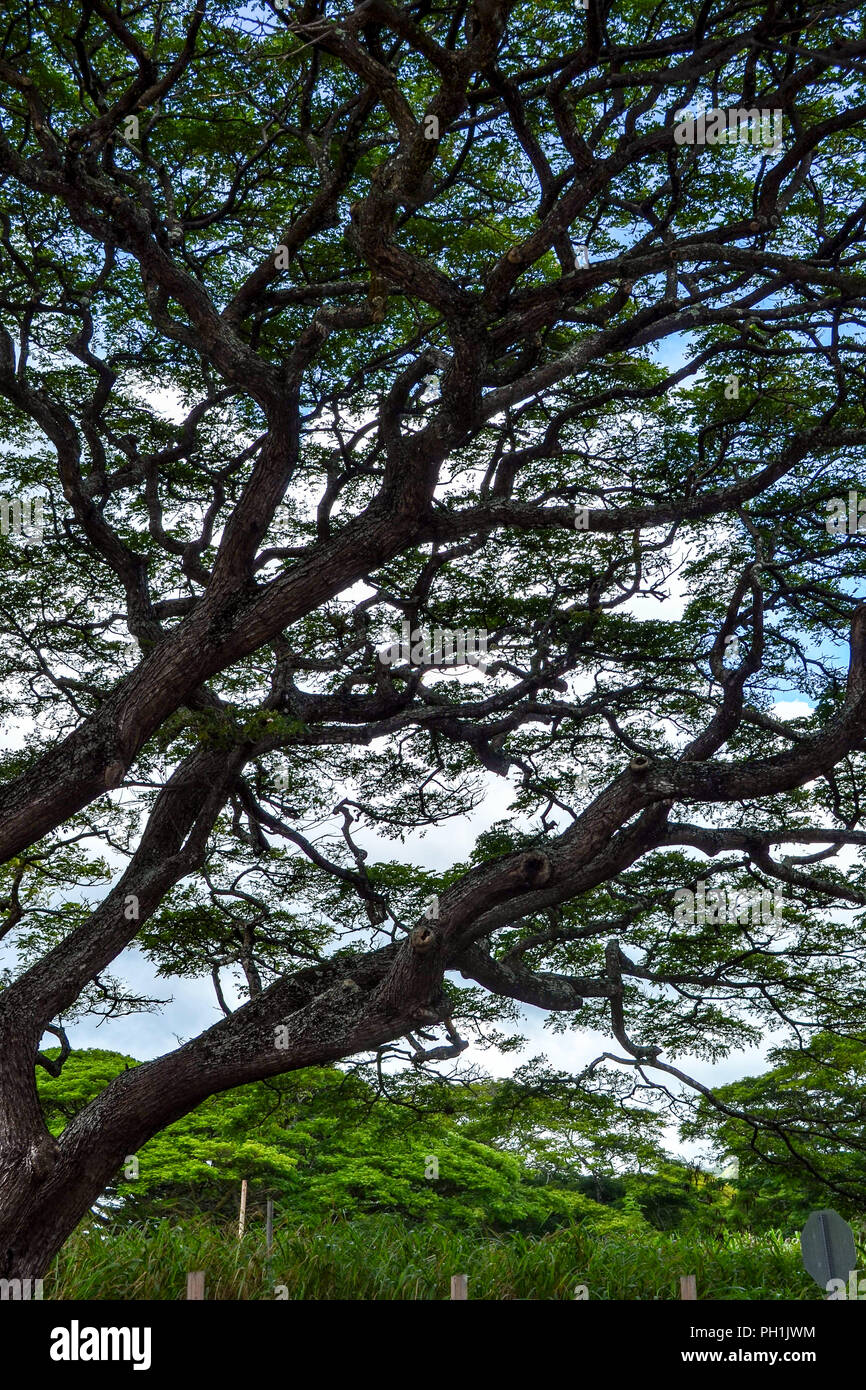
(28, 1157)
(324, 1014)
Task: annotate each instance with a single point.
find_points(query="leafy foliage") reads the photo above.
(318, 320)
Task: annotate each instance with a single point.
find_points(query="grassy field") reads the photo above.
(381, 1257)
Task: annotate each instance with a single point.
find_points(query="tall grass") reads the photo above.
(382, 1257)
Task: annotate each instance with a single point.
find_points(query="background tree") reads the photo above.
(325, 1144)
(299, 342)
(803, 1145)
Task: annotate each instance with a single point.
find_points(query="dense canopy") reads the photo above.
(317, 321)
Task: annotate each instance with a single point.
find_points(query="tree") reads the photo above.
(317, 321)
(803, 1145)
(323, 1143)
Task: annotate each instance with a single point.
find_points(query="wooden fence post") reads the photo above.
(269, 1227)
(195, 1284)
(459, 1285)
(269, 1242)
(242, 1218)
(688, 1286)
